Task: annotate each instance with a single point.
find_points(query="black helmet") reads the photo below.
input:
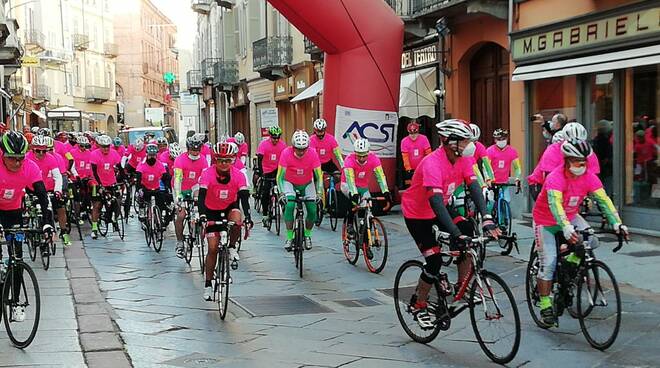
(14, 144)
(195, 142)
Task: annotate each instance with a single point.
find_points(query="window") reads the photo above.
(241, 26)
(76, 75)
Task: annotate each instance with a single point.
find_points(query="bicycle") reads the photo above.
(110, 212)
(191, 238)
(20, 294)
(298, 246)
(370, 236)
(153, 225)
(331, 202)
(571, 281)
(274, 209)
(223, 266)
(502, 217)
(444, 305)
(36, 243)
(73, 214)
(257, 182)
(466, 207)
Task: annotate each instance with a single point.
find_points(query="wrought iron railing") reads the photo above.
(272, 52)
(226, 73)
(97, 93)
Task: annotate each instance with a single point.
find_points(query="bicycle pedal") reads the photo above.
(234, 266)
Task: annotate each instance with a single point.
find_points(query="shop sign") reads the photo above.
(379, 127)
(589, 33)
(268, 117)
(282, 87)
(300, 84)
(420, 56)
(30, 61)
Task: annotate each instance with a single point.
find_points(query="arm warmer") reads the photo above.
(244, 196)
(167, 180)
(178, 178)
(138, 180)
(57, 177)
(96, 174)
(478, 198)
(42, 197)
(201, 199)
(406, 161)
(260, 159)
(441, 212)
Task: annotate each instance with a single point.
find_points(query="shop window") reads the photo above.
(642, 144)
(549, 97)
(603, 138)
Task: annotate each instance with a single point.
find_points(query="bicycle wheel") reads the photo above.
(223, 283)
(278, 218)
(531, 290)
(119, 220)
(349, 243)
(599, 305)
(20, 292)
(504, 222)
(201, 243)
(32, 246)
(44, 249)
(298, 247)
(495, 317)
(189, 241)
(319, 214)
(405, 296)
(375, 247)
(332, 209)
(103, 223)
(147, 228)
(157, 229)
(270, 215)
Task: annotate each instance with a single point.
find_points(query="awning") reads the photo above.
(311, 91)
(589, 64)
(40, 114)
(416, 97)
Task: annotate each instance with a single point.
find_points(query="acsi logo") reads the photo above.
(373, 132)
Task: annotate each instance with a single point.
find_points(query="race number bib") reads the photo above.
(322, 151)
(8, 194)
(191, 175)
(82, 164)
(573, 201)
(224, 194)
(300, 172)
(106, 166)
(416, 152)
(361, 174)
(150, 178)
(273, 157)
(500, 164)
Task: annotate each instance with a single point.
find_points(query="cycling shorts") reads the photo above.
(218, 215)
(329, 167)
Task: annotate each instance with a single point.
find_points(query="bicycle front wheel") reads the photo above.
(599, 305)
(278, 218)
(349, 241)
(405, 297)
(45, 252)
(531, 289)
(21, 304)
(223, 283)
(201, 250)
(375, 246)
(319, 214)
(332, 209)
(494, 316)
(156, 229)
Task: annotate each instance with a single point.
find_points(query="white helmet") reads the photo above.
(175, 150)
(300, 139)
(320, 124)
(239, 137)
(39, 141)
(361, 145)
(104, 141)
(454, 129)
(139, 144)
(577, 149)
(558, 136)
(82, 141)
(574, 131)
(476, 132)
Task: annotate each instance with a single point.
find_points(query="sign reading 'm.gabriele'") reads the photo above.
(591, 32)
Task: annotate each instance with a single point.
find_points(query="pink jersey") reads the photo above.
(553, 158)
(324, 147)
(121, 150)
(206, 152)
(62, 148)
(220, 196)
(135, 156)
(271, 153)
(242, 148)
(239, 164)
(82, 162)
(299, 170)
(12, 184)
(46, 166)
(62, 163)
(436, 172)
(105, 166)
(191, 170)
(151, 174)
(501, 160)
(362, 172)
(165, 158)
(415, 149)
(574, 190)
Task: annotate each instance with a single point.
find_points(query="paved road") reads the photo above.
(338, 315)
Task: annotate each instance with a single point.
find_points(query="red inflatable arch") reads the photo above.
(363, 40)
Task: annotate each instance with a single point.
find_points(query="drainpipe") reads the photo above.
(510, 21)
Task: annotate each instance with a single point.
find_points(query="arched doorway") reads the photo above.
(112, 128)
(489, 86)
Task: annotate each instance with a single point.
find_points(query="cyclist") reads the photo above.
(16, 176)
(118, 146)
(168, 156)
(84, 178)
(152, 179)
(424, 204)
(188, 168)
(105, 163)
(67, 170)
(205, 151)
(326, 147)
(136, 154)
(357, 170)
(480, 156)
(268, 156)
(414, 148)
(556, 212)
(298, 169)
(162, 144)
(504, 160)
(61, 145)
(221, 187)
(239, 139)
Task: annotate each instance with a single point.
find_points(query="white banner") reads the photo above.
(379, 127)
(268, 117)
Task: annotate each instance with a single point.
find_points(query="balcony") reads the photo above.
(42, 93)
(194, 78)
(226, 74)
(97, 94)
(314, 51)
(207, 70)
(201, 6)
(271, 55)
(110, 50)
(34, 41)
(80, 41)
(226, 3)
(52, 57)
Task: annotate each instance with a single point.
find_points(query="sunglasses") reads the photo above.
(16, 159)
(40, 151)
(224, 160)
(362, 156)
(275, 137)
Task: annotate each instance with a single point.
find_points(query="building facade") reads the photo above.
(146, 39)
(597, 62)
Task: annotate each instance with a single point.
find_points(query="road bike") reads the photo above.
(493, 313)
(588, 290)
(73, 209)
(362, 230)
(274, 215)
(298, 246)
(20, 300)
(331, 202)
(110, 212)
(153, 225)
(37, 244)
(502, 217)
(191, 233)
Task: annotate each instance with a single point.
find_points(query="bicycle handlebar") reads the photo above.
(621, 238)
(504, 185)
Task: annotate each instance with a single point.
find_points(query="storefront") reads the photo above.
(601, 69)
(240, 118)
(304, 115)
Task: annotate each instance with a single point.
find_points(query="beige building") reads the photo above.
(146, 39)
